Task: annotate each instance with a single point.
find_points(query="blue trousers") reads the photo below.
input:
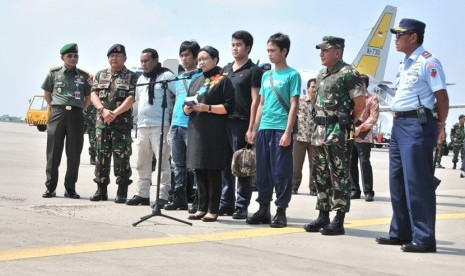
(274, 168)
(178, 155)
(413, 194)
(236, 130)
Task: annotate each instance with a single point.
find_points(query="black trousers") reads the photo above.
(64, 124)
(209, 189)
(361, 151)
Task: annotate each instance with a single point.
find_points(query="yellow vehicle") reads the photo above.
(38, 112)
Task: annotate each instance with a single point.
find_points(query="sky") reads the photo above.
(33, 31)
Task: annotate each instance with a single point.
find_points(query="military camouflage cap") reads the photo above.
(331, 42)
(461, 116)
(409, 25)
(117, 48)
(69, 48)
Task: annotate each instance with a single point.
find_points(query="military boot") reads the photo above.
(455, 166)
(101, 193)
(336, 227)
(320, 222)
(279, 220)
(121, 193)
(195, 204)
(179, 201)
(92, 159)
(263, 215)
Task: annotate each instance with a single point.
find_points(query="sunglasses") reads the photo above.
(398, 35)
(72, 55)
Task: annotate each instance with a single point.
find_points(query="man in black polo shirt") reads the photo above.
(67, 92)
(246, 79)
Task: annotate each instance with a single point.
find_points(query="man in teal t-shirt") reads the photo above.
(274, 138)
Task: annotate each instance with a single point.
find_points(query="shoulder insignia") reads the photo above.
(55, 68)
(426, 54)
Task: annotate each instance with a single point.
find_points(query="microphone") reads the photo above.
(191, 73)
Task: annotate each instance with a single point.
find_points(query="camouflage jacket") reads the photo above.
(457, 134)
(90, 115)
(113, 90)
(334, 93)
(305, 121)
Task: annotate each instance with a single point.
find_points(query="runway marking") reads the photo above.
(30, 253)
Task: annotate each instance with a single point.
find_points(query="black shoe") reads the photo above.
(92, 160)
(225, 211)
(195, 204)
(161, 203)
(335, 227)
(72, 194)
(455, 166)
(439, 166)
(295, 190)
(240, 213)
(418, 248)
(138, 200)
(390, 241)
(49, 194)
(369, 197)
(313, 192)
(179, 200)
(279, 220)
(210, 219)
(320, 222)
(263, 215)
(462, 174)
(355, 195)
(196, 217)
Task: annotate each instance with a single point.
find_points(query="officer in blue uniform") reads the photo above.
(415, 132)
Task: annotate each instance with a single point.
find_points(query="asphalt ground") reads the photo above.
(61, 236)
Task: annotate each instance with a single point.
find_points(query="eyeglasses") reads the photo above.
(398, 35)
(72, 55)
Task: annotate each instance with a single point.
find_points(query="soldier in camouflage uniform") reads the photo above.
(90, 118)
(457, 136)
(440, 152)
(339, 99)
(66, 90)
(113, 94)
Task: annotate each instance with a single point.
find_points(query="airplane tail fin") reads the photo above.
(372, 57)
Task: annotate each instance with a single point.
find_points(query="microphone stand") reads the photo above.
(156, 211)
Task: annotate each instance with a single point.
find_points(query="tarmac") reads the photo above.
(61, 236)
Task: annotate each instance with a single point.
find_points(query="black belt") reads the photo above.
(67, 107)
(326, 120)
(408, 114)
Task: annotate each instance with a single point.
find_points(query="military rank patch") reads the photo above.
(433, 72)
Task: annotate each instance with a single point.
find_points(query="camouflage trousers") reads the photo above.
(439, 154)
(457, 149)
(331, 175)
(117, 143)
(92, 140)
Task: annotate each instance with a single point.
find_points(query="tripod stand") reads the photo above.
(156, 212)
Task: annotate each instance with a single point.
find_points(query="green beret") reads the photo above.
(69, 48)
(461, 116)
(331, 42)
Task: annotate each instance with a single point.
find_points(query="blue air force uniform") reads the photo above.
(411, 150)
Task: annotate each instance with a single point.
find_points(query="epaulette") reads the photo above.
(426, 54)
(55, 68)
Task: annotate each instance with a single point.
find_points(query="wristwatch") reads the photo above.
(100, 109)
(209, 108)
